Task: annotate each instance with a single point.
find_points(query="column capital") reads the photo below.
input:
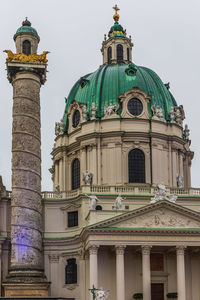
(180, 250)
(93, 249)
(146, 249)
(54, 258)
(120, 249)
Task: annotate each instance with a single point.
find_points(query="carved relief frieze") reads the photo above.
(27, 143)
(26, 236)
(26, 161)
(29, 198)
(26, 179)
(25, 256)
(27, 107)
(160, 218)
(27, 217)
(26, 124)
(30, 89)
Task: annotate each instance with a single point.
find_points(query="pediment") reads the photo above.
(70, 206)
(163, 215)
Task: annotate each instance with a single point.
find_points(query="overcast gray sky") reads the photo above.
(166, 36)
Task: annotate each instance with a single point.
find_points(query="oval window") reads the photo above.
(135, 107)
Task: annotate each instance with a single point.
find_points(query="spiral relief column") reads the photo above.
(26, 277)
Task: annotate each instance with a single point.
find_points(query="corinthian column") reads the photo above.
(93, 251)
(120, 283)
(146, 273)
(180, 250)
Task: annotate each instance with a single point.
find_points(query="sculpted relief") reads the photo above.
(26, 161)
(27, 217)
(26, 179)
(28, 198)
(27, 143)
(25, 256)
(26, 236)
(160, 218)
(26, 106)
(30, 89)
(26, 124)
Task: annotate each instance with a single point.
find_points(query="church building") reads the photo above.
(122, 215)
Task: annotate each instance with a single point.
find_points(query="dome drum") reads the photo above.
(112, 44)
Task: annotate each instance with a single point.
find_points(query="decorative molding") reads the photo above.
(120, 249)
(93, 249)
(180, 250)
(146, 249)
(54, 258)
(162, 214)
(70, 207)
(140, 95)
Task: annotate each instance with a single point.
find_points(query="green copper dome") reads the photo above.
(108, 82)
(26, 28)
(116, 30)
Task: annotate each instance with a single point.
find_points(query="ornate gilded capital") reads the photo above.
(120, 249)
(180, 250)
(146, 249)
(93, 249)
(21, 57)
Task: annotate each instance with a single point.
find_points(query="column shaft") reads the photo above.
(180, 272)
(93, 251)
(0, 267)
(146, 273)
(26, 213)
(120, 283)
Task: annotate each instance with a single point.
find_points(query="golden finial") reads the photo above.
(116, 15)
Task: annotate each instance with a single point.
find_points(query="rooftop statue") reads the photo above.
(161, 194)
(92, 201)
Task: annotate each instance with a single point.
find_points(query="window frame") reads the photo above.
(137, 173)
(26, 47)
(109, 54)
(120, 53)
(74, 276)
(74, 222)
(75, 184)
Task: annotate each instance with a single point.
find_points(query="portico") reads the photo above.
(132, 259)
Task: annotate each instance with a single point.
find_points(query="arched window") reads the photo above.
(75, 174)
(120, 53)
(109, 54)
(128, 54)
(71, 271)
(26, 47)
(136, 166)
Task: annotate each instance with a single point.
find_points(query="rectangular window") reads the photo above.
(72, 218)
(157, 262)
